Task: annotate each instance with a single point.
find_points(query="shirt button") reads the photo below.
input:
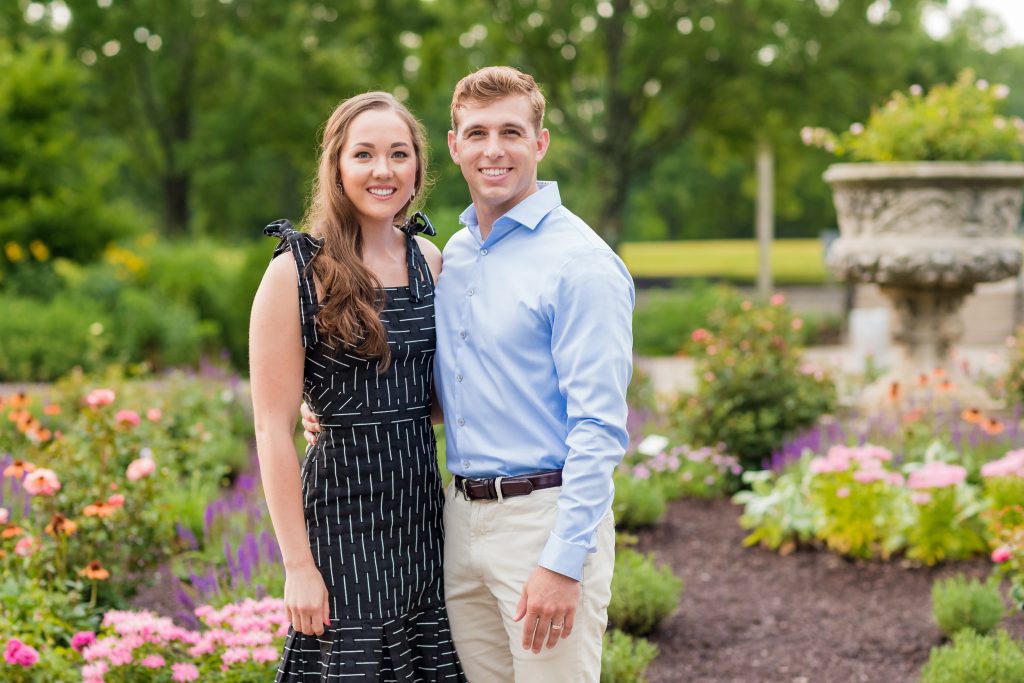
(483, 252)
(465, 463)
(458, 378)
(471, 291)
(462, 334)
(460, 422)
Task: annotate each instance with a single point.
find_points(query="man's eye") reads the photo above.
(475, 133)
(511, 131)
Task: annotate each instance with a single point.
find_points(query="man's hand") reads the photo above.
(310, 425)
(549, 604)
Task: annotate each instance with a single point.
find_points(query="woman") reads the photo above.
(344, 320)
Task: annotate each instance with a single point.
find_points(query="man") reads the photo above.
(534, 356)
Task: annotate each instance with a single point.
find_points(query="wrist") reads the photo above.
(299, 564)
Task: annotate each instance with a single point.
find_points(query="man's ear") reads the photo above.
(452, 149)
(543, 140)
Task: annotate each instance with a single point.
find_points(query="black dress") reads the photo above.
(372, 493)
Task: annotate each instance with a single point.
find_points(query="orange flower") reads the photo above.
(99, 509)
(18, 415)
(992, 427)
(922, 380)
(945, 386)
(912, 416)
(894, 391)
(59, 524)
(11, 531)
(972, 415)
(19, 400)
(18, 469)
(94, 571)
(939, 373)
(51, 409)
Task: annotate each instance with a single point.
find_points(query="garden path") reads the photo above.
(752, 616)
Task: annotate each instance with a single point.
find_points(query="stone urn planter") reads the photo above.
(926, 233)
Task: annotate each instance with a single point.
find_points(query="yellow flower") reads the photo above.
(14, 252)
(39, 250)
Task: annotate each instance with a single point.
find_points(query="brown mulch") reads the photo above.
(749, 615)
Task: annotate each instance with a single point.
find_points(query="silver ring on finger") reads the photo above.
(557, 627)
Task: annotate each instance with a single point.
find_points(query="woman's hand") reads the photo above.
(306, 600)
(310, 425)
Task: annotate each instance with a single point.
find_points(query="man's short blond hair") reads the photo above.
(494, 83)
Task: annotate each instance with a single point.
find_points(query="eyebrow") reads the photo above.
(372, 146)
(510, 124)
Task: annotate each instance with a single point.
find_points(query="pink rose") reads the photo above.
(18, 653)
(777, 299)
(5, 515)
(117, 500)
(127, 418)
(41, 482)
(99, 397)
(183, 672)
(1001, 554)
(81, 639)
(154, 414)
(139, 468)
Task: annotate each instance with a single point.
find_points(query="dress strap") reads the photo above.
(303, 247)
(421, 282)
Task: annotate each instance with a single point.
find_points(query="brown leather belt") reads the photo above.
(487, 489)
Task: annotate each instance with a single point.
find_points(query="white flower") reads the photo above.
(857, 128)
(1001, 91)
(982, 84)
(652, 444)
(916, 90)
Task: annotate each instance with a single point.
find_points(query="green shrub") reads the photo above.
(974, 658)
(754, 388)
(638, 503)
(642, 594)
(41, 341)
(664, 319)
(959, 604)
(625, 659)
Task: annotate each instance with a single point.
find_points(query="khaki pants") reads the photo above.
(491, 548)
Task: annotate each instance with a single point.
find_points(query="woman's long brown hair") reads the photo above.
(353, 298)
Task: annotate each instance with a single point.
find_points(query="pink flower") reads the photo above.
(99, 397)
(81, 639)
(709, 376)
(843, 492)
(5, 515)
(797, 324)
(139, 468)
(26, 547)
(1010, 465)
(127, 418)
(777, 299)
(700, 334)
(1002, 554)
(153, 662)
(641, 472)
(95, 671)
(936, 475)
(920, 497)
(265, 654)
(117, 500)
(18, 653)
(184, 672)
(746, 305)
(235, 655)
(154, 414)
(41, 482)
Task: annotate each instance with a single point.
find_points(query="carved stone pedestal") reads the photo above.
(927, 233)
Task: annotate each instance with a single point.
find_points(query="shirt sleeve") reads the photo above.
(592, 348)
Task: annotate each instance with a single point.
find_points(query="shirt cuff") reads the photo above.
(563, 557)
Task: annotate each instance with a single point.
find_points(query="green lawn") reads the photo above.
(794, 261)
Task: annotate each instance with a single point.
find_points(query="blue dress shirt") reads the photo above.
(534, 354)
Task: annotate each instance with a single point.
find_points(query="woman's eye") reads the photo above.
(362, 155)
(400, 155)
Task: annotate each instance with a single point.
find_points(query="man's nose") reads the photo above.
(494, 148)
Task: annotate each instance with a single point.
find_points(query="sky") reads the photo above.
(1010, 11)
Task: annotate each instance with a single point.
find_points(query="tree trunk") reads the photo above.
(175, 200)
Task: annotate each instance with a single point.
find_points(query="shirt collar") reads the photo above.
(528, 213)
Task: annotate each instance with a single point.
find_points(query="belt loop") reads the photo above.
(497, 489)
